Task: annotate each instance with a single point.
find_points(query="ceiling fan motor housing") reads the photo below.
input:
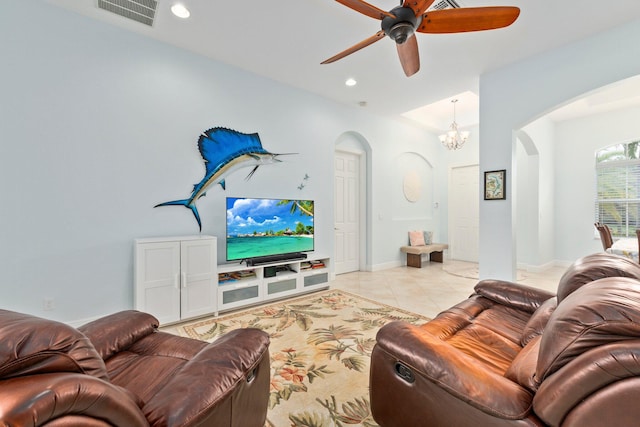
(402, 26)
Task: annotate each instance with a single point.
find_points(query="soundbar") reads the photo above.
(275, 258)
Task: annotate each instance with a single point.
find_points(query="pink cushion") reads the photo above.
(416, 238)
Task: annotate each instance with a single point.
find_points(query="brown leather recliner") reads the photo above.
(121, 371)
(512, 355)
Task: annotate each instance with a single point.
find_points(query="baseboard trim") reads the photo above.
(386, 265)
(543, 267)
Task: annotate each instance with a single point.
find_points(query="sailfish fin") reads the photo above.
(255, 168)
(220, 145)
(223, 184)
(187, 204)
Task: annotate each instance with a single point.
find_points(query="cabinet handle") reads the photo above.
(184, 279)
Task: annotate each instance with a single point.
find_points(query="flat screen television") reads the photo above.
(264, 228)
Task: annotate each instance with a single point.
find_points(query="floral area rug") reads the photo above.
(320, 353)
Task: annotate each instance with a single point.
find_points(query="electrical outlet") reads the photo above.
(48, 304)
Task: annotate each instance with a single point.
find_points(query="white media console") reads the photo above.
(239, 285)
(178, 278)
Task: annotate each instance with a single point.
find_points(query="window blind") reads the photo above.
(618, 196)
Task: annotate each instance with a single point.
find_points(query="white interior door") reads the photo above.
(347, 212)
(464, 213)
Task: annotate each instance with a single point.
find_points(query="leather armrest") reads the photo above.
(512, 294)
(117, 332)
(211, 375)
(32, 345)
(452, 370)
(49, 397)
(594, 370)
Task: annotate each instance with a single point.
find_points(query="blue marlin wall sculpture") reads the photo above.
(224, 151)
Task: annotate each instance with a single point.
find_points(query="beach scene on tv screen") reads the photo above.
(261, 227)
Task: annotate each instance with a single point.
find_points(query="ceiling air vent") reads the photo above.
(142, 11)
(444, 4)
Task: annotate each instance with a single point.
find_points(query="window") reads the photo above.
(618, 188)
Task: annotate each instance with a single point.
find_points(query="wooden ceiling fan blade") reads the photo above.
(419, 7)
(409, 56)
(366, 8)
(468, 19)
(364, 43)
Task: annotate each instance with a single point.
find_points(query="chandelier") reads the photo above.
(454, 139)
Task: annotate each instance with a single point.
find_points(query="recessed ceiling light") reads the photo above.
(180, 10)
(351, 82)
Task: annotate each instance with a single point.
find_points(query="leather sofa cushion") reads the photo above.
(227, 363)
(523, 368)
(439, 366)
(118, 331)
(42, 346)
(598, 371)
(162, 353)
(482, 329)
(593, 267)
(601, 312)
(521, 297)
(538, 321)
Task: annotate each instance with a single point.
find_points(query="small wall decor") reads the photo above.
(411, 186)
(304, 181)
(224, 151)
(495, 185)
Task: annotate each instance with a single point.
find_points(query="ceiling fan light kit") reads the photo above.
(401, 25)
(402, 22)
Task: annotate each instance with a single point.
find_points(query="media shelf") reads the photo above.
(178, 278)
(240, 285)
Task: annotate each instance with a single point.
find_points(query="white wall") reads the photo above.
(534, 195)
(389, 228)
(418, 214)
(99, 125)
(516, 95)
(576, 144)
(526, 196)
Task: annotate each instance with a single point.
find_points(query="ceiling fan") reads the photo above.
(401, 23)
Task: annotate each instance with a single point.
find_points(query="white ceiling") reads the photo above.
(286, 40)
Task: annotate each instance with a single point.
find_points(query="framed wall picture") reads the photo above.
(495, 185)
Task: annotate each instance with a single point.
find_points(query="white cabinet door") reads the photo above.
(157, 280)
(198, 277)
(176, 278)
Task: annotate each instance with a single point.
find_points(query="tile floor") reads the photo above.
(427, 290)
(430, 289)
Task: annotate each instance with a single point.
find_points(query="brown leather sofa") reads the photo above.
(121, 371)
(512, 355)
